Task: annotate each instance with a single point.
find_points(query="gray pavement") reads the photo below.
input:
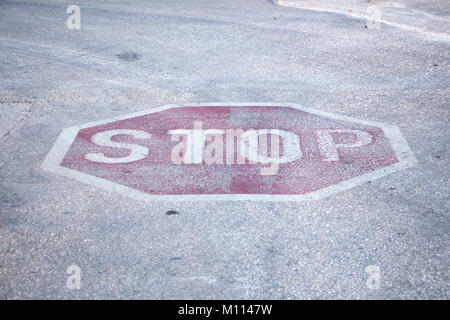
(130, 56)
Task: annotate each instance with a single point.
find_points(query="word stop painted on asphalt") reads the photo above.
(229, 152)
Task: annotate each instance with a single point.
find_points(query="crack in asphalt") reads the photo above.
(18, 124)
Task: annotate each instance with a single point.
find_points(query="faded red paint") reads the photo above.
(156, 174)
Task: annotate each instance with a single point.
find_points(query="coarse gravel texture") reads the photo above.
(133, 55)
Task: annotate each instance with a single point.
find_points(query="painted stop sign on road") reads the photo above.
(229, 152)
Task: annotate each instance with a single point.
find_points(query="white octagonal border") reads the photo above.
(60, 148)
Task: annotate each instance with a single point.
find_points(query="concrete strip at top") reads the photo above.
(431, 18)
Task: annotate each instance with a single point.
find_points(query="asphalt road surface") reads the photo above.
(386, 238)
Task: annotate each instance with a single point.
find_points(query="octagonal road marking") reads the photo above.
(228, 151)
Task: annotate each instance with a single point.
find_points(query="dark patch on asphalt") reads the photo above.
(172, 212)
(270, 251)
(128, 56)
(176, 258)
(10, 199)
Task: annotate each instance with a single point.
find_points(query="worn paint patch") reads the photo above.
(319, 153)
